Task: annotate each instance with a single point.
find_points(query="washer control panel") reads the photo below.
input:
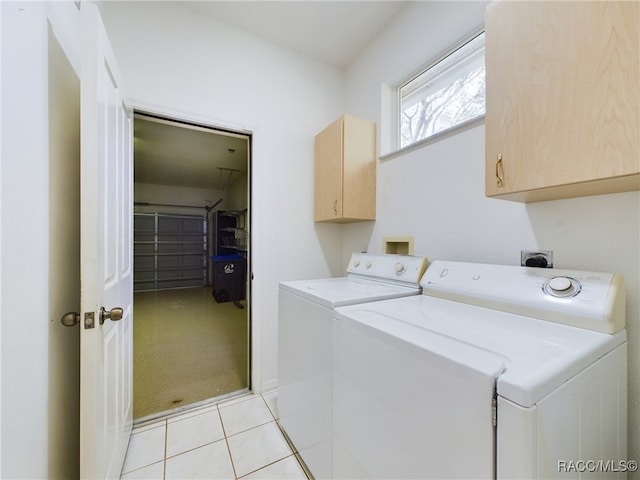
(395, 268)
(591, 300)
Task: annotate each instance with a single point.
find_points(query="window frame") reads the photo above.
(396, 109)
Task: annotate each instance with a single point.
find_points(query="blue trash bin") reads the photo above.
(229, 278)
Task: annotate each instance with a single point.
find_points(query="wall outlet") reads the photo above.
(538, 258)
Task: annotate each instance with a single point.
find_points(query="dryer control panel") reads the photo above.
(590, 300)
(402, 269)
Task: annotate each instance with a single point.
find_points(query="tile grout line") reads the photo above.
(275, 421)
(122, 472)
(194, 448)
(166, 441)
(267, 465)
(226, 441)
(248, 428)
(177, 419)
(294, 450)
(268, 408)
(292, 447)
(225, 437)
(303, 466)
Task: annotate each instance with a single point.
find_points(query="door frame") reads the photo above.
(254, 332)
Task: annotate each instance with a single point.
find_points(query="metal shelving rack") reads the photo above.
(230, 232)
(170, 251)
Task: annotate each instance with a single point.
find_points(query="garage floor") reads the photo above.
(187, 348)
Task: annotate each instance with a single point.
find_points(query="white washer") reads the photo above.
(493, 372)
(305, 313)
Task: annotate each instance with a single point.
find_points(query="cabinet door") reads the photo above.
(328, 172)
(359, 169)
(562, 95)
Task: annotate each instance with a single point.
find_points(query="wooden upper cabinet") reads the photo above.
(562, 99)
(345, 171)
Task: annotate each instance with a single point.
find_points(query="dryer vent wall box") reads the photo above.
(493, 372)
(398, 245)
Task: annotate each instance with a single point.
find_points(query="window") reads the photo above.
(448, 93)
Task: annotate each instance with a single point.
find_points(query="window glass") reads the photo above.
(446, 94)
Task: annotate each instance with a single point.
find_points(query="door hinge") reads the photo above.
(494, 411)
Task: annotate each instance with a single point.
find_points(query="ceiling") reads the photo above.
(334, 32)
(172, 153)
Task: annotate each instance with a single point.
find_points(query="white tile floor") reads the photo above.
(238, 438)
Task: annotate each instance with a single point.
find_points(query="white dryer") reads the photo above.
(493, 372)
(305, 350)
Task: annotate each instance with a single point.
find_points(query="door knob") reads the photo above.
(114, 314)
(70, 319)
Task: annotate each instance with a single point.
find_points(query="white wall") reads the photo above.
(175, 60)
(40, 262)
(20, 312)
(436, 193)
(235, 198)
(173, 195)
(237, 194)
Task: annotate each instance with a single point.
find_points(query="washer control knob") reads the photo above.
(559, 284)
(400, 267)
(368, 264)
(562, 287)
(356, 263)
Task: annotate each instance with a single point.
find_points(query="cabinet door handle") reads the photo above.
(335, 207)
(499, 171)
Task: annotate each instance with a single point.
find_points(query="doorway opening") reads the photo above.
(192, 308)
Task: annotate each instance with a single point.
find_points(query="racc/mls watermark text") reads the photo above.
(597, 466)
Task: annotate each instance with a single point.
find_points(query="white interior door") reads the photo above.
(106, 257)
